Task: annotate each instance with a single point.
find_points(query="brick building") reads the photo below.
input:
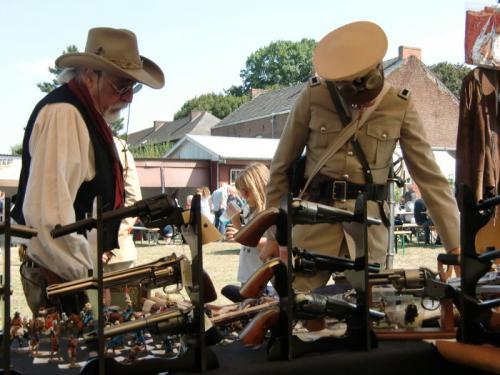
(265, 115)
(197, 122)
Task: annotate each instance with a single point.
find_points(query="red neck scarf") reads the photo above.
(82, 93)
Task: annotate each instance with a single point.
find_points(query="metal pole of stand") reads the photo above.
(198, 289)
(289, 278)
(391, 183)
(365, 297)
(100, 291)
(6, 293)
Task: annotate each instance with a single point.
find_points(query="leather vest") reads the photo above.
(102, 184)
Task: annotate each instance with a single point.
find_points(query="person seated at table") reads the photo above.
(421, 218)
(409, 198)
(168, 233)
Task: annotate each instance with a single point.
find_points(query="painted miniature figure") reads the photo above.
(72, 346)
(54, 343)
(87, 316)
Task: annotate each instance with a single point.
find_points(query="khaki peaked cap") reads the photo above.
(115, 51)
(350, 51)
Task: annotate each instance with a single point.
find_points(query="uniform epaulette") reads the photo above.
(314, 81)
(404, 94)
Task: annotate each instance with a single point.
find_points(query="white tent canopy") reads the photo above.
(445, 161)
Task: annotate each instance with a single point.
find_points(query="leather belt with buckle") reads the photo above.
(339, 190)
(325, 189)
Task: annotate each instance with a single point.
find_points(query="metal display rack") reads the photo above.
(155, 212)
(359, 335)
(476, 313)
(9, 230)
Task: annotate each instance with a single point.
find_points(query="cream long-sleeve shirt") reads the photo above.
(62, 158)
(127, 251)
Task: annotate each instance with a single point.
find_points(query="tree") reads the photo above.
(451, 75)
(49, 86)
(219, 105)
(151, 150)
(280, 63)
(16, 149)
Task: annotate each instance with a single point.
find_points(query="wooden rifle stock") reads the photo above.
(255, 285)
(254, 332)
(251, 233)
(241, 313)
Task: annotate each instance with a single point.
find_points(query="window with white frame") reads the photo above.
(233, 175)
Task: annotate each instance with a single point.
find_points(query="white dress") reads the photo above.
(249, 261)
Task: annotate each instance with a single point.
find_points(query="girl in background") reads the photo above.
(206, 202)
(251, 185)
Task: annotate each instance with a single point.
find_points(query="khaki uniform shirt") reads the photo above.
(314, 123)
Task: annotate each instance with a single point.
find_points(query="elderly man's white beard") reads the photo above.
(113, 113)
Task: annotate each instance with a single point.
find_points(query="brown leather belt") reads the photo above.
(50, 276)
(326, 189)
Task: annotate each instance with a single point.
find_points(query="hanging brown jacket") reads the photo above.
(478, 157)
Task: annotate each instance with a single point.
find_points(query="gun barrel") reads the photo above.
(157, 323)
(149, 209)
(161, 272)
(313, 305)
(307, 261)
(19, 230)
(323, 213)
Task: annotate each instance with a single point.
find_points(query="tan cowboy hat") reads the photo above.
(350, 51)
(114, 51)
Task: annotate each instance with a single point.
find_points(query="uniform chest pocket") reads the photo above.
(322, 133)
(380, 143)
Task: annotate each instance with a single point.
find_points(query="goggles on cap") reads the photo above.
(371, 81)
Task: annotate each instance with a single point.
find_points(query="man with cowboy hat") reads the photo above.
(348, 64)
(69, 158)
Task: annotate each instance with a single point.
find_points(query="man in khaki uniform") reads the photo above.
(350, 57)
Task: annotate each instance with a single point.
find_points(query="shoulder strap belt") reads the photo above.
(343, 137)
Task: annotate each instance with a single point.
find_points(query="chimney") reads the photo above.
(256, 92)
(157, 124)
(405, 52)
(194, 113)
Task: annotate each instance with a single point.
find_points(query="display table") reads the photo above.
(391, 357)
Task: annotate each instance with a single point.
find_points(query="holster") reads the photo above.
(295, 175)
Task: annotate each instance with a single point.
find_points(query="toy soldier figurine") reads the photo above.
(116, 342)
(54, 344)
(129, 310)
(34, 343)
(72, 345)
(134, 352)
(15, 324)
(87, 315)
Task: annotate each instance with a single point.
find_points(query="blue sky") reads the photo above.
(200, 45)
